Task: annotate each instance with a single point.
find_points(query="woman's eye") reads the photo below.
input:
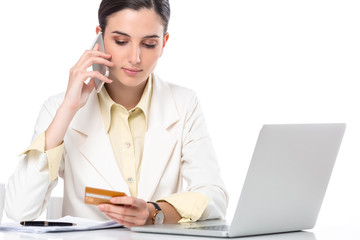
(149, 45)
(120, 42)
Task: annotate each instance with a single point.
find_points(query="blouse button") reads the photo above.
(130, 180)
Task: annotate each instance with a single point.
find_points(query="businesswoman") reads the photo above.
(139, 135)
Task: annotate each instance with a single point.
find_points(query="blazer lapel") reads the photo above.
(97, 148)
(159, 142)
(158, 146)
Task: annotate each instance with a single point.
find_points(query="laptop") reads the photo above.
(284, 186)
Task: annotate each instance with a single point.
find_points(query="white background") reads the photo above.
(251, 62)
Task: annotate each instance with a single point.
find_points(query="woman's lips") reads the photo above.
(131, 71)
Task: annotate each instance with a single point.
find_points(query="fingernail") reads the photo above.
(101, 207)
(112, 200)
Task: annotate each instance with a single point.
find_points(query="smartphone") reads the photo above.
(98, 67)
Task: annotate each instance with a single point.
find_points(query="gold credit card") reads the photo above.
(97, 196)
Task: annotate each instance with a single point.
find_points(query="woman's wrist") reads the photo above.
(69, 107)
(151, 210)
(170, 213)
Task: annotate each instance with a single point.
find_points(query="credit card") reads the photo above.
(97, 196)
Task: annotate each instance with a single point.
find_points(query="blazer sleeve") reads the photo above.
(200, 168)
(29, 188)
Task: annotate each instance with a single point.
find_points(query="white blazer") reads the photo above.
(177, 147)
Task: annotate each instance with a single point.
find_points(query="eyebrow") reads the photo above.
(127, 35)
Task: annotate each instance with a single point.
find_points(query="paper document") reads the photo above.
(82, 224)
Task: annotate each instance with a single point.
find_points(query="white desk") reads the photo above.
(324, 233)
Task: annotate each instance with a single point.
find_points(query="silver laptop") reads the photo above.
(284, 187)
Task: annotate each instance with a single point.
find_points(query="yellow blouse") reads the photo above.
(126, 130)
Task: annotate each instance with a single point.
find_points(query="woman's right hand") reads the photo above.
(76, 95)
(78, 91)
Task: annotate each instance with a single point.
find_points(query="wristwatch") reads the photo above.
(158, 217)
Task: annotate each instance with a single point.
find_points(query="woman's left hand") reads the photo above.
(128, 211)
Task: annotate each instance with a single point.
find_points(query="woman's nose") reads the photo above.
(134, 55)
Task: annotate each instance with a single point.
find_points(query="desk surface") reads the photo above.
(322, 233)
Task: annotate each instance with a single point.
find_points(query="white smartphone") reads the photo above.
(98, 67)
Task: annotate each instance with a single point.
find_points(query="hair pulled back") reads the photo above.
(108, 7)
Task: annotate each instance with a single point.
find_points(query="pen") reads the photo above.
(47, 224)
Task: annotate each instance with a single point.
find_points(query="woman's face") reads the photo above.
(135, 40)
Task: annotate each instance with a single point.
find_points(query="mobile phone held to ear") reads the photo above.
(98, 67)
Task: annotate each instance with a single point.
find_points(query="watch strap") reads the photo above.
(157, 212)
(157, 207)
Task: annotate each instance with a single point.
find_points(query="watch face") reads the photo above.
(159, 218)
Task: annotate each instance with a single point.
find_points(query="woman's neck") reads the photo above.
(125, 95)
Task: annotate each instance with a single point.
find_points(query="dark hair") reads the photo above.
(108, 7)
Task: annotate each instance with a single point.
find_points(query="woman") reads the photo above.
(138, 135)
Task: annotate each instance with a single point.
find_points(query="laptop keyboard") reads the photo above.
(213, 228)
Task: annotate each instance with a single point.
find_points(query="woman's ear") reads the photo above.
(98, 29)
(166, 38)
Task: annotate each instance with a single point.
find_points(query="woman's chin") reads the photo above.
(128, 82)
